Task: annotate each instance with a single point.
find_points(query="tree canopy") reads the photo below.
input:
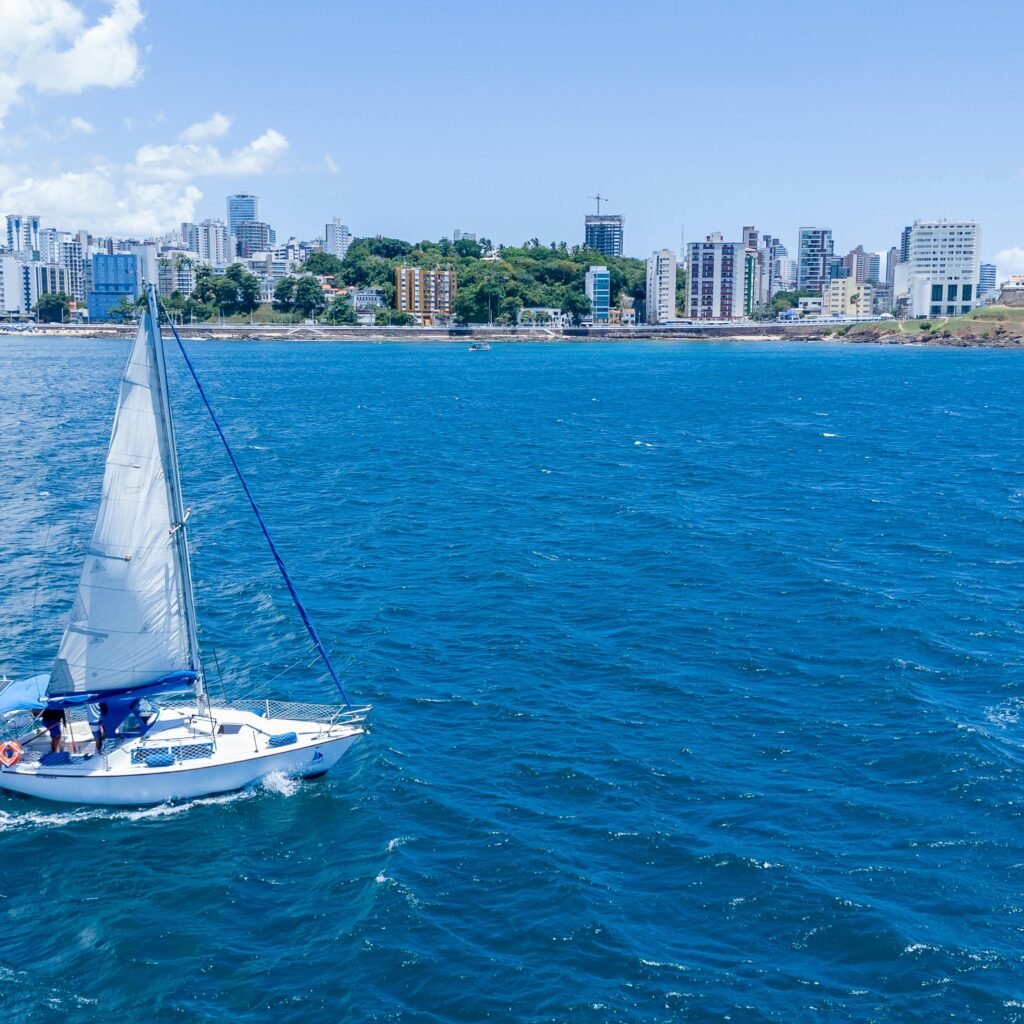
(124, 311)
(309, 299)
(53, 308)
(489, 290)
(322, 263)
(302, 295)
(234, 291)
(341, 311)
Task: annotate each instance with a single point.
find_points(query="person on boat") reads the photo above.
(53, 720)
(96, 714)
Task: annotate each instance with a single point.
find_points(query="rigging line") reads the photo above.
(216, 661)
(311, 629)
(285, 671)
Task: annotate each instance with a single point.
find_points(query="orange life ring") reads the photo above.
(10, 753)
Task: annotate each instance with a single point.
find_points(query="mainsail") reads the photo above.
(132, 623)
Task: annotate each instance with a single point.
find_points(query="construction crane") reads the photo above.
(600, 199)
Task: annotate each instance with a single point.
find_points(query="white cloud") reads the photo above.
(330, 163)
(1009, 261)
(48, 46)
(182, 161)
(212, 128)
(80, 126)
(148, 196)
(103, 201)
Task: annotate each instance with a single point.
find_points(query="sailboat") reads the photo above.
(125, 716)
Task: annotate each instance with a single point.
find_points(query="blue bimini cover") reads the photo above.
(20, 694)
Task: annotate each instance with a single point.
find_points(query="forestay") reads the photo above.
(129, 625)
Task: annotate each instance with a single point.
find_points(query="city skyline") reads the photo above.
(100, 144)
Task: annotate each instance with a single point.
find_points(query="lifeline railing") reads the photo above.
(200, 742)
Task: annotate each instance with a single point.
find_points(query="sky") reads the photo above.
(412, 119)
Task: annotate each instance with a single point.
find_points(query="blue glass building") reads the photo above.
(987, 280)
(114, 278)
(598, 285)
(243, 208)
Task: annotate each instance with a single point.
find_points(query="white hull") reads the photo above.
(240, 756)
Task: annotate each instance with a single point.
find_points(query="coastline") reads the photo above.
(760, 332)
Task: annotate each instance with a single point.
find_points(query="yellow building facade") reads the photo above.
(426, 294)
(845, 297)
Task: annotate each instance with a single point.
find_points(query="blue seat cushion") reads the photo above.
(141, 755)
(162, 759)
(282, 739)
(55, 757)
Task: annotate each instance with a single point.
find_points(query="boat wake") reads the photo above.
(276, 783)
(279, 783)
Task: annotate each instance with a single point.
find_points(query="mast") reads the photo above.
(178, 512)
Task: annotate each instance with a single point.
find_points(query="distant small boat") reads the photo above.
(480, 346)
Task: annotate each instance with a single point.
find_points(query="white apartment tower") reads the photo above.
(943, 267)
(210, 240)
(722, 279)
(661, 287)
(337, 238)
(23, 232)
(11, 290)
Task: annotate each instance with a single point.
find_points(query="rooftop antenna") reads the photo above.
(600, 199)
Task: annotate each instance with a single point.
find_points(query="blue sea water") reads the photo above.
(697, 673)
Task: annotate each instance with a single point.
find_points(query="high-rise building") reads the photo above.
(723, 280)
(464, 236)
(242, 207)
(987, 281)
(41, 279)
(23, 232)
(858, 264)
(750, 238)
(603, 233)
(598, 287)
(114, 278)
(891, 260)
(427, 294)
(814, 256)
(73, 260)
(11, 290)
(944, 268)
(63, 249)
(148, 267)
(770, 253)
(253, 236)
(905, 245)
(49, 244)
(337, 238)
(661, 287)
(210, 240)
